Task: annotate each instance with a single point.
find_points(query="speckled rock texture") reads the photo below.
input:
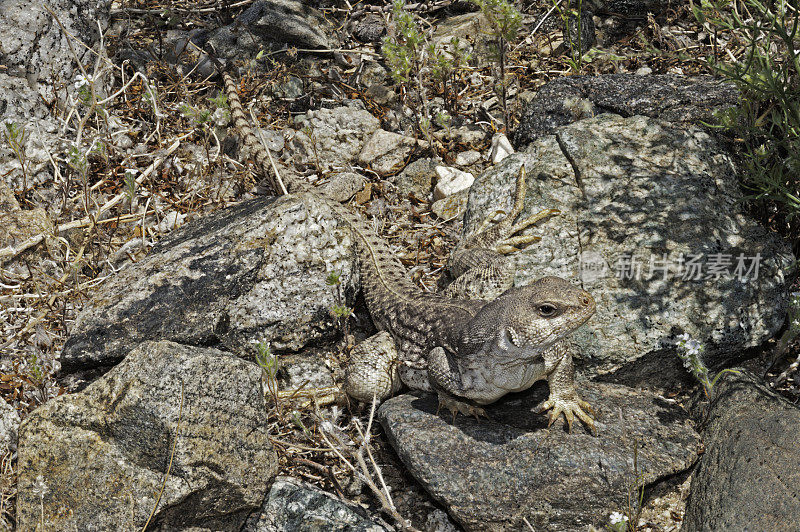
(38, 133)
(748, 477)
(36, 49)
(650, 214)
(37, 63)
(491, 475)
(668, 97)
(254, 271)
(295, 506)
(330, 139)
(9, 424)
(99, 457)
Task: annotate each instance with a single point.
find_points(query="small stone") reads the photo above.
(290, 89)
(644, 71)
(386, 152)
(452, 206)
(451, 180)
(343, 186)
(501, 148)
(466, 158)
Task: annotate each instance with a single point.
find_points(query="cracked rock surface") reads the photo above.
(99, 456)
(639, 199)
(748, 477)
(494, 475)
(254, 271)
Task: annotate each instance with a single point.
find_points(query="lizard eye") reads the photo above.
(546, 310)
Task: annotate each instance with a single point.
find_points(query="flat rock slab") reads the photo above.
(491, 475)
(748, 477)
(100, 456)
(250, 272)
(652, 225)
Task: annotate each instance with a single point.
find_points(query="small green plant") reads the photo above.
(16, 137)
(571, 13)
(269, 365)
(220, 101)
(446, 69)
(690, 351)
(405, 51)
(505, 21)
(767, 116)
(340, 311)
(200, 117)
(130, 186)
(80, 164)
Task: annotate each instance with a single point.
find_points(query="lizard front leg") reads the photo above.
(564, 399)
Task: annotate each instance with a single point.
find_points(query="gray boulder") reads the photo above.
(100, 457)
(668, 97)
(748, 478)
(36, 49)
(272, 24)
(652, 225)
(330, 139)
(494, 475)
(256, 271)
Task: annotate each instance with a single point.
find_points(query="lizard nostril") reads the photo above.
(586, 301)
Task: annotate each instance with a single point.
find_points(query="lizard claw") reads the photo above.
(570, 407)
(459, 407)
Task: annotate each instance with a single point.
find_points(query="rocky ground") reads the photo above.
(144, 266)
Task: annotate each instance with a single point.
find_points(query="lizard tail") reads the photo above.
(257, 151)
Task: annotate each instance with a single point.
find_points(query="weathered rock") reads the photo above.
(370, 28)
(269, 24)
(343, 186)
(386, 152)
(630, 8)
(451, 206)
(9, 423)
(35, 49)
(668, 97)
(467, 158)
(640, 200)
(254, 271)
(16, 224)
(473, 31)
(748, 477)
(23, 109)
(501, 148)
(451, 181)
(418, 177)
(331, 138)
(492, 474)
(294, 506)
(99, 457)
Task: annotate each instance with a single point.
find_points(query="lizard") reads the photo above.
(469, 350)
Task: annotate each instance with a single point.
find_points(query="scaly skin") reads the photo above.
(470, 351)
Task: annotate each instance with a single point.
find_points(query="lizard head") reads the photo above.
(532, 317)
(543, 312)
